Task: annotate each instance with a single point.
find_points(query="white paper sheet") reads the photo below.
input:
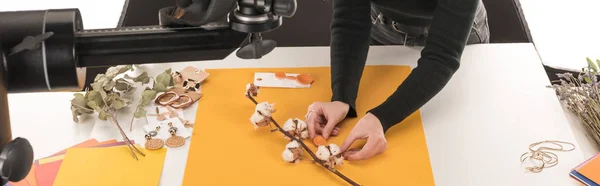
(268, 79)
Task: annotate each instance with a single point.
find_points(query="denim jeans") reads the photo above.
(386, 32)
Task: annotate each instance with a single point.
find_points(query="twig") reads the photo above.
(133, 117)
(315, 159)
(130, 150)
(131, 146)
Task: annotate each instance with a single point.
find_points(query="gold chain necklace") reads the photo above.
(541, 157)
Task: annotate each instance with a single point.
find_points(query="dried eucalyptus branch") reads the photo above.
(107, 97)
(249, 95)
(161, 84)
(581, 96)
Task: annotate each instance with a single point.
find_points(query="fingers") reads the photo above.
(373, 147)
(314, 110)
(348, 142)
(334, 132)
(328, 128)
(312, 124)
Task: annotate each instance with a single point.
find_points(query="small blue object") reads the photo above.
(582, 178)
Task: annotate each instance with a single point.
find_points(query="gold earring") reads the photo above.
(153, 143)
(174, 140)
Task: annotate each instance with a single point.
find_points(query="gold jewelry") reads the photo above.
(540, 152)
(308, 113)
(152, 143)
(174, 140)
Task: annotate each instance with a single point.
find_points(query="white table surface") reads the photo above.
(476, 128)
(498, 106)
(564, 32)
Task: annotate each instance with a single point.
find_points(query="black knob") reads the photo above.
(285, 8)
(18, 157)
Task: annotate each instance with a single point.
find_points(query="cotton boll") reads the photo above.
(289, 125)
(323, 153)
(266, 109)
(252, 89)
(304, 134)
(259, 120)
(334, 149)
(292, 144)
(339, 160)
(288, 156)
(301, 125)
(292, 152)
(301, 128)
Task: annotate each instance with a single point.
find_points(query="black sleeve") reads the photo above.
(439, 60)
(350, 35)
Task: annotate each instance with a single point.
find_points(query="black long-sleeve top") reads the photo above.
(450, 23)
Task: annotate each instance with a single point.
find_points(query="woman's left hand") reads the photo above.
(369, 128)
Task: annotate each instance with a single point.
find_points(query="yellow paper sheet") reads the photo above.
(226, 150)
(51, 159)
(110, 166)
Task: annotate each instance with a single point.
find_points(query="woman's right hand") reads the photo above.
(322, 118)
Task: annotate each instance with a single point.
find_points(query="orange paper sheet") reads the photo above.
(87, 143)
(591, 170)
(30, 179)
(110, 166)
(226, 150)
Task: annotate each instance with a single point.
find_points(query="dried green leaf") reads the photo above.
(78, 95)
(112, 72)
(598, 62)
(111, 97)
(143, 78)
(103, 115)
(109, 86)
(121, 86)
(139, 113)
(100, 78)
(79, 101)
(165, 78)
(95, 106)
(98, 88)
(587, 79)
(147, 97)
(95, 96)
(591, 64)
(75, 114)
(159, 87)
(118, 104)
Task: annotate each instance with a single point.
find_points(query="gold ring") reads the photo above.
(308, 113)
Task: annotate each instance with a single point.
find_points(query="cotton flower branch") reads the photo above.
(292, 151)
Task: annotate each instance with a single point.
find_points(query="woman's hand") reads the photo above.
(369, 128)
(322, 118)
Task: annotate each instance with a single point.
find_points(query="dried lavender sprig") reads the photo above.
(581, 95)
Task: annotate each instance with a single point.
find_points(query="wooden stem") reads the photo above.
(128, 141)
(314, 157)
